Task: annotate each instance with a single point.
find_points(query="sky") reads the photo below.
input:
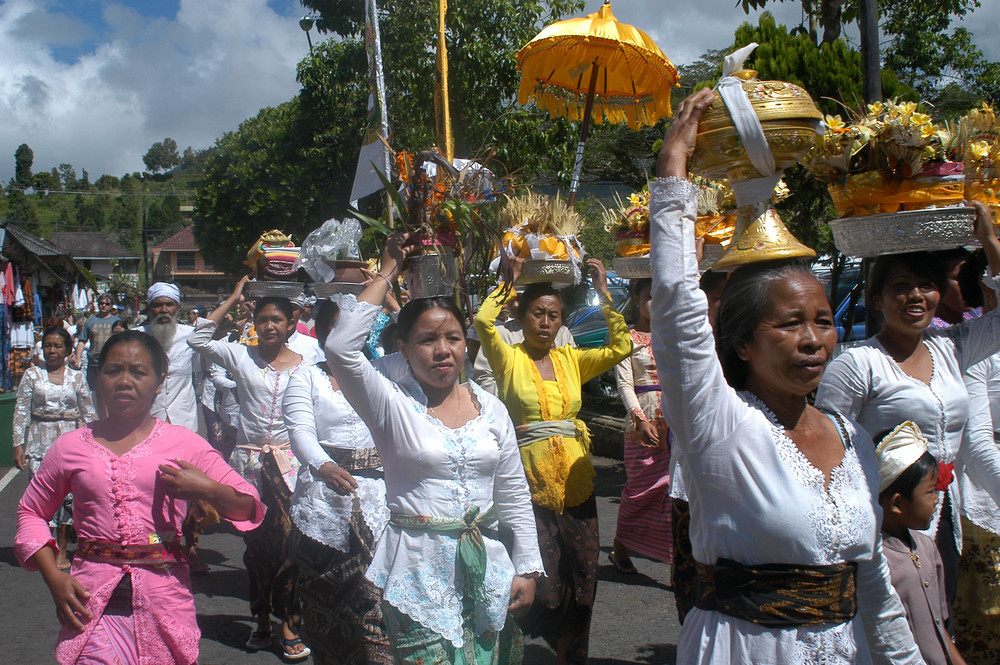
(95, 83)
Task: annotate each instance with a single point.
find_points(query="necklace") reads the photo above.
(458, 410)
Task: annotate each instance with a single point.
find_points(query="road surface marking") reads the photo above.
(9, 476)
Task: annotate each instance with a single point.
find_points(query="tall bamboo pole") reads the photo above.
(442, 57)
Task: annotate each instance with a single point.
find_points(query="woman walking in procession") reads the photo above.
(264, 457)
(645, 509)
(127, 597)
(452, 476)
(51, 400)
(338, 512)
(541, 386)
(783, 497)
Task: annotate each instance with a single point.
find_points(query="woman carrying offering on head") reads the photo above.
(541, 386)
(338, 513)
(783, 497)
(644, 514)
(263, 456)
(127, 597)
(51, 400)
(452, 476)
(913, 371)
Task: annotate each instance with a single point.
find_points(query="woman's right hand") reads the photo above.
(19, 457)
(679, 141)
(237, 294)
(648, 436)
(337, 479)
(397, 249)
(70, 598)
(516, 268)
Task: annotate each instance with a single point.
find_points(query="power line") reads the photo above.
(101, 192)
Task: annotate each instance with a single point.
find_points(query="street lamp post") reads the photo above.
(306, 23)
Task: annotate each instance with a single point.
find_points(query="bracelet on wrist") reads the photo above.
(387, 280)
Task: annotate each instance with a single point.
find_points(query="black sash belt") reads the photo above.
(779, 595)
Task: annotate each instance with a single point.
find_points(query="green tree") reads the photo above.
(107, 183)
(929, 54)
(291, 167)
(67, 174)
(24, 157)
(21, 210)
(483, 40)
(162, 156)
(45, 181)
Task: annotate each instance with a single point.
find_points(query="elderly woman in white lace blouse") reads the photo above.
(338, 513)
(452, 474)
(783, 497)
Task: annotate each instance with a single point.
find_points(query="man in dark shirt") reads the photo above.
(97, 330)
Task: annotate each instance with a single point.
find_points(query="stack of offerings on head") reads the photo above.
(329, 255)
(272, 263)
(543, 231)
(898, 180)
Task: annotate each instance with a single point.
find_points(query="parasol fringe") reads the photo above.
(637, 113)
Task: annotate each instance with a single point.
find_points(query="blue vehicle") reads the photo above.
(587, 324)
(856, 333)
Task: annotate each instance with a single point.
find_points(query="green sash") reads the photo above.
(471, 554)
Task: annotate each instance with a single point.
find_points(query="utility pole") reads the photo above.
(145, 245)
(871, 65)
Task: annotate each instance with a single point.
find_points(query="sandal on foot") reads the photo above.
(259, 640)
(286, 645)
(624, 566)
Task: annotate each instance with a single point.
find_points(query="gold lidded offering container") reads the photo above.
(774, 128)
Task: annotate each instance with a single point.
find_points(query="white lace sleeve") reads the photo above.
(697, 402)
(365, 388)
(298, 408)
(218, 351)
(513, 499)
(979, 455)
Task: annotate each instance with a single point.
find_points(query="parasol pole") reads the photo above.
(584, 129)
(447, 144)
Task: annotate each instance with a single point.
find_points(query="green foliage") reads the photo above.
(483, 40)
(162, 156)
(929, 54)
(291, 167)
(599, 243)
(67, 174)
(24, 157)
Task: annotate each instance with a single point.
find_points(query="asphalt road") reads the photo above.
(634, 619)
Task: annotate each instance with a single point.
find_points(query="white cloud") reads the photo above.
(200, 73)
(191, 77)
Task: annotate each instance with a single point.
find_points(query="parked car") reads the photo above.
(587, 324)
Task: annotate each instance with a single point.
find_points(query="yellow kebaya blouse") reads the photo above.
(558, 469)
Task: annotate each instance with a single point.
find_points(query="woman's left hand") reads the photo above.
(600, 276)
(522, 594)
(187, 482)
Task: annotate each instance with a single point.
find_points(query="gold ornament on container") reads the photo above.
(791, 124)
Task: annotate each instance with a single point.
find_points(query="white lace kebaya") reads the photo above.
(320, 422)
(435, 471)
(865, 383)
(754, 497)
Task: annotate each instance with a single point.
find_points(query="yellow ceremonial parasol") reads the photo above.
(630, 77)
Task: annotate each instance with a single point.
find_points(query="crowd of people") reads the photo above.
(814, 510)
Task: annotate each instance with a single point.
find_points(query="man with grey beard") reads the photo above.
(177, 402)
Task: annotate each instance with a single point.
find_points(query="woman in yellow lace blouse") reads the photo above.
(540, 386)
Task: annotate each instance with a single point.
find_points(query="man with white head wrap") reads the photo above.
(177, 402)
(303, 344)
